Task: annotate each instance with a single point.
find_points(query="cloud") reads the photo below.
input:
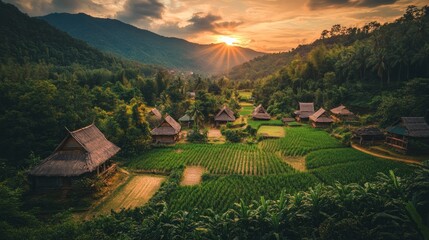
(318, 4)
(43, 7)
(199, 23)
(141, 10)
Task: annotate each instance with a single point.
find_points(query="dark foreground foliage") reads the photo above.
(388, 208)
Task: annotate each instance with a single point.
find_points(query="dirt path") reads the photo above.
(192, 175)
(214, 135)
(134, 193)
(359, 148)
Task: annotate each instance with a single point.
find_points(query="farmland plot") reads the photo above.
(192, 175)
(271, 131)
(217, 159)
(300, 141)
(136, 192)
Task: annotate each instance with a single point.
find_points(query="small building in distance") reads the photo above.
(83, 152)
(167, 132)
(321, 119)
(406, 129)
(259, 113)
(224, 115)
(304, 112)
(341, 113)
(186, 120)
(368, 135)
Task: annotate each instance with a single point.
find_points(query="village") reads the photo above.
(87, 153)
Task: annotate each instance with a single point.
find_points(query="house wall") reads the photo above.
(165, 139)
(71, 144)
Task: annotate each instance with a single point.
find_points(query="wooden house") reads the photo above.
(368, 135)
(341, 113)
(259, 113)
(82, 152)
(321, 119)
(304, 112)
(399, 134)
(224, 115)
(154, 117)
(167, 132)
(186, 120)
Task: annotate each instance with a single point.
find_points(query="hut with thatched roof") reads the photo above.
(321, 119)
(341, 113)
(368, 135)
(224, 115)
(405, 129)
(304, 112)
(259, 113)
(167, 132)
(186, 119)
(154, 117)
(82, 152)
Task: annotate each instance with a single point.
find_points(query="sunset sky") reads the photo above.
(268, 26)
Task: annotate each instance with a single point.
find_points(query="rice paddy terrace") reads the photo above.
(247, 171)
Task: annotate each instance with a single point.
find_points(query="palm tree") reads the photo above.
(196, 114)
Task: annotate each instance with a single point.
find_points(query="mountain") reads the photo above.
(24, 39)
(142, 45)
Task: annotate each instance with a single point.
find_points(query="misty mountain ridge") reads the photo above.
(128, 41)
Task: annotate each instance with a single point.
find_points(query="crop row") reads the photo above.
(328, 157)
(217, 159)
(300, 141)
(220, 193)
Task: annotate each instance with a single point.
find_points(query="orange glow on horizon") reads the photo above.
(228, 40)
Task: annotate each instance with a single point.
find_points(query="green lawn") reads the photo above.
(271, 131)
(246, 110)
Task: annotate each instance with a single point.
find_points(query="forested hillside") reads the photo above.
(147, 47)
(381, 69)
(49, 81)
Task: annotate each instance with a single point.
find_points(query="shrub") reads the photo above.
(197, 136)
(234, 135)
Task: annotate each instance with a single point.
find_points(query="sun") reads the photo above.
(227, 40)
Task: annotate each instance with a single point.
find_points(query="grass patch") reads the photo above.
(271, 131)
(257, 123)
(246, 110)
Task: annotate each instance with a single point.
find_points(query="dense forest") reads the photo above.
(49, 81)
(377, 69)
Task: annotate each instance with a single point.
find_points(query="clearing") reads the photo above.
(214, 135)
(298, 162)
(134, 193)
(192, 175)
(271, 131)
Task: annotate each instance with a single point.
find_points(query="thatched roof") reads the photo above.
(368, 131)
(305, 110)
(168, 126)
(411, 127)
(80, 152)
(260, 113)
(225, 115)
(155, 112)
(321, 116)
(341, 110)
(186, 118)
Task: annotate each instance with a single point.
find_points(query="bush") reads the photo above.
(250, 130)
(234, 135)
(197, 136)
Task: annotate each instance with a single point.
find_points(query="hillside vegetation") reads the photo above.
(147, 47)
